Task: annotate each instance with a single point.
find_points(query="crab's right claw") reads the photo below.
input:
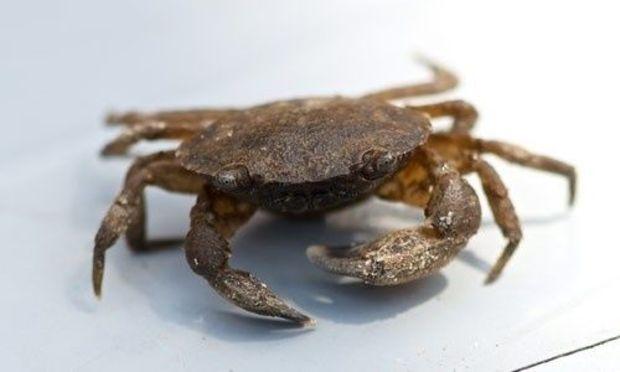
(249, 293)
(208, 251)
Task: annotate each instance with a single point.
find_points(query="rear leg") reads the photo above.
(127, 213)
(518, 155)
(214, 220)
(458, 148)
(159, 125)
(464, 114)
(150, 130)
(464, 152)
(192, 116)
(443, 80)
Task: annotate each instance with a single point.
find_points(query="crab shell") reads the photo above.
(306, 155)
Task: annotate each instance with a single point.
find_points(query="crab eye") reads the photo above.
(233, 178)
(378, 163)
(385, 162)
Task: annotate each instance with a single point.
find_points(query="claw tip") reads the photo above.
(308, 323)
(314, 251)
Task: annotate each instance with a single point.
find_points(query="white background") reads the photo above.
(543, 74)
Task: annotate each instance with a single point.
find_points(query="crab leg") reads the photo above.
(214, 219)
(452, 217)
(518, 155)
(191, 116)
(463, 113)
(127, 213)
(150, 130)
(503, 212)
(158, 125)
(443, 80)
(411, 184)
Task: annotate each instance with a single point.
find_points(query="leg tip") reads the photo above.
(572, 196)
(106, 151)
(111, 149)
(491, 278)
(112, 118)
(424, 60)
(97, 274)
(116, 118)
(97, 289)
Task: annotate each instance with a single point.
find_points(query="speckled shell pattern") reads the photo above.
(305, 155)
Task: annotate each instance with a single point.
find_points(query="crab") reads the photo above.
(312, 156)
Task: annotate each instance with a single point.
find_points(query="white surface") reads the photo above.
(543, 74)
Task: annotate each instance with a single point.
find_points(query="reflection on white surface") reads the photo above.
(65, 64)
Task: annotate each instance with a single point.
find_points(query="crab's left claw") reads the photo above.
(452, 217)
(358, 262)
(399, 257)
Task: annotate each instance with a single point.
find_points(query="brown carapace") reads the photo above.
(312, 156)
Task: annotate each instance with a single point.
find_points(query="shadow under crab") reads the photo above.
(312, 156)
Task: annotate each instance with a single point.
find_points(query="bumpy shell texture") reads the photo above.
(305, 140)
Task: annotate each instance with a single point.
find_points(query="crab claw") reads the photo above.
(343, 261)
(399, 257)
(249, 293)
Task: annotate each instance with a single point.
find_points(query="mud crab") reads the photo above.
(311, 156)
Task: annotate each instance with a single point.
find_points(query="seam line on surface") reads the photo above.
(568, 353)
